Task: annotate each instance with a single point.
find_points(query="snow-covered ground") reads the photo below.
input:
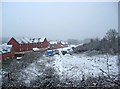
(34, 70)
(75, 66)
(2, 74)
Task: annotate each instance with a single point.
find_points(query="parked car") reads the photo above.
(49, 53)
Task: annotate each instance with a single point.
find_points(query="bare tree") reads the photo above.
(112, 37)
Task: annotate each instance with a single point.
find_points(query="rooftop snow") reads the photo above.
(30, 40)
(63, 42)
(36, 49)
(42, 39)
(53, 42)
(4, 48)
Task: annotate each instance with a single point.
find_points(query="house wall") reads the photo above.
(58, 45)
(6, 55)
(45, 44)
(14, 43)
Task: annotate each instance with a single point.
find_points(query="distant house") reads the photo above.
(57, 44)
(6, 51)
(65, 44)
(24, 45)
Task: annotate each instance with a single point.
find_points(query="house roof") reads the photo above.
(29, 40)
(4, 48)
(63, 42)
(55, 42)
(42, 39)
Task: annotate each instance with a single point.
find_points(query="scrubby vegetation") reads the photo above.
(108, 44)
(12, 67)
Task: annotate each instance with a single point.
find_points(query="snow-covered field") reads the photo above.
(75, 66)
(34, 70)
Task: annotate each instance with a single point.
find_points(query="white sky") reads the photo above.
(59, 0)
(62, 20)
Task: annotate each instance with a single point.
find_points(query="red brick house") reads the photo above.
(16, 47)
(6, 51)
(24, 45)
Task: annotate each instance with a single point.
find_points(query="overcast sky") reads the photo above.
(79, 20)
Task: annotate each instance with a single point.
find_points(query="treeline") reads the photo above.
(108, 44)
(73, 41)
